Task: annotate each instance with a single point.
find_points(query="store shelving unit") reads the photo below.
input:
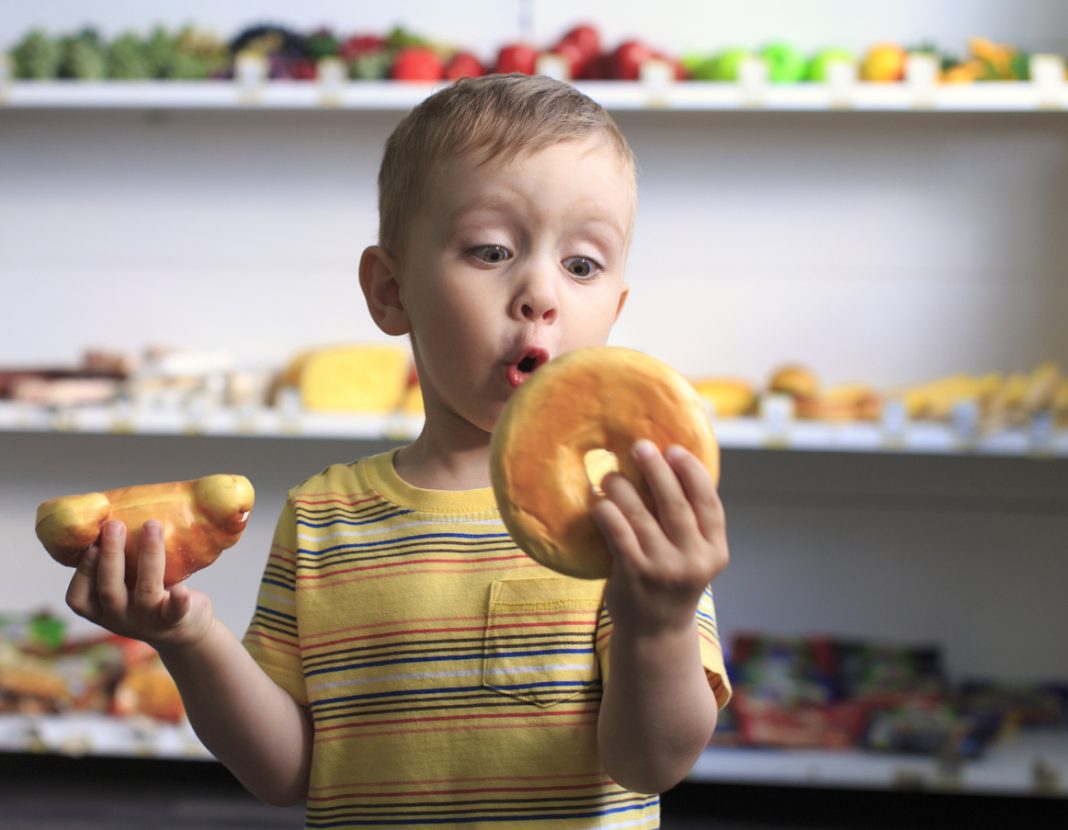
(1007, 769)
(1029, 763)
(1041, 439)
(620, 96)
(80, 734)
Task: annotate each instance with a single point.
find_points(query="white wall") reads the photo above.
(881, 247)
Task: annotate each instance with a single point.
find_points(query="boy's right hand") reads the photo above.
(168, 618)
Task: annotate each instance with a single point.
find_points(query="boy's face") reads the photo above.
(510, 263)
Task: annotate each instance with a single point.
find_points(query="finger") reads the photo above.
(177, 605)
(673, 508)
(111, 568)
(151, 564)
(643, 525)
(81, 593)
(696, 482)
(618, 533)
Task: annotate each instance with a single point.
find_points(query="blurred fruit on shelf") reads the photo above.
(729, 397)
(847, 402)
(579, 47)
(127, 58)
(147, 689)
(1030, 393)
(521, 58)
(368, 57)
(417, 64)
(935, 400)
(726, 65)
(411, 402)
(82, 56)
(323, 43)
(194, 54)
(68, 674)
(284, 49)
(786, 63)
(962, 72)
(987, 61)
(1060, 404)
(463, 65)
(1003, 62)
(627, 59)
(884, 63)
(358, 378)
(356, 46)
(819, 68)
(794, 379)
(36, 56)
(1002, 400)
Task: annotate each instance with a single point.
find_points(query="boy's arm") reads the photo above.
(658, 711)
(243, 717)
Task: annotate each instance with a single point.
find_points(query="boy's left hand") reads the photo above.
(664, 558)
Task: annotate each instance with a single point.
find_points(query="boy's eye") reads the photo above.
(581, 267)
(493, 254)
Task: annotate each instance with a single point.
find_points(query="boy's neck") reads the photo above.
(437, 465)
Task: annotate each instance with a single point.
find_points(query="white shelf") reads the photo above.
(735, 433)
(94, 734)
(692, 96)
(1005, 769)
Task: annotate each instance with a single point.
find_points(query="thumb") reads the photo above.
(177, 605)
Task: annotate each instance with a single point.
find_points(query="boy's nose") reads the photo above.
(538, 311)
(536, 300)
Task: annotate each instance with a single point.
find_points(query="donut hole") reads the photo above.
(599, 462)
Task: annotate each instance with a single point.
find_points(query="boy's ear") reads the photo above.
(381, 290)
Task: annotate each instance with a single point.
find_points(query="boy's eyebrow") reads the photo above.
(498, 204)
(487, 203)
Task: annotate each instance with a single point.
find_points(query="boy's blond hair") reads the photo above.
(495, 116)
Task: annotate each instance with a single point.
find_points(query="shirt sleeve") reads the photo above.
(273, 636)
(711, 651)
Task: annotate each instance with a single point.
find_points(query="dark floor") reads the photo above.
(42, 792)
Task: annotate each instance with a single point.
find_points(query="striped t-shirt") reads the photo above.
(452, 681)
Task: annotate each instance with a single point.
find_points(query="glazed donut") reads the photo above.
(596, 398)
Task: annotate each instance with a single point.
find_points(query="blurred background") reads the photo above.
(862, 269)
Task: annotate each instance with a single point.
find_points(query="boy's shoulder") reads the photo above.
(342, 477)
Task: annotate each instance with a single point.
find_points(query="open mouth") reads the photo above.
(523, 368)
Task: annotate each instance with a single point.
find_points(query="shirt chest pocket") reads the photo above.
(539, 639)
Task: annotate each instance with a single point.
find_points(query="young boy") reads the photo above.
(407, 664)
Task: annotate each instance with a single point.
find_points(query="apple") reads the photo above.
(727, 64)
(599, 68)
(463, 65)
(574, 58)
(359, 45)
(517, 57)
(417, 63)
(786, 63)
(627, 60)
(819, 68)
(884, 63)
(702, 67)
(679, 69)
(585, 38)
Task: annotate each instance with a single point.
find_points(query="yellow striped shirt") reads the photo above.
(452, 680)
